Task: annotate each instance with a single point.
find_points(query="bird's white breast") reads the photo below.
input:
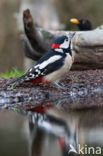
(58, 74)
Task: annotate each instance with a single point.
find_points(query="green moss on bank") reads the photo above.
(12, 73)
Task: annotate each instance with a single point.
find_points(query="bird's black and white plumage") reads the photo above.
(83, 24)
(52, 66)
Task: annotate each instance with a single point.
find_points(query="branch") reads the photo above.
(33, 42)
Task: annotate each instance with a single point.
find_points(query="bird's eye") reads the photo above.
(66, 39)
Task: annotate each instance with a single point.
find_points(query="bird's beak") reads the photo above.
(55, 46)
(75, 21)
(71, 35)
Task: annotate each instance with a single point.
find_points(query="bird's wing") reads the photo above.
(47, 64)
(54, 66)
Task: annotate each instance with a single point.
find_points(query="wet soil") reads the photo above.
(83, 89)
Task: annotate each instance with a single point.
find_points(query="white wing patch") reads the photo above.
(31, 75)
(59, 50)
(49, 61)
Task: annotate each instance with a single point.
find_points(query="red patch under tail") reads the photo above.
(39, 80)
(61, 142)
(40, 109)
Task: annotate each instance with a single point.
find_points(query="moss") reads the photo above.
(12, 73)
(47, 35)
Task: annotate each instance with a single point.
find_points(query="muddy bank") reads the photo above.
(83, 89)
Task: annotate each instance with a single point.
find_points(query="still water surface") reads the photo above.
(54, 133)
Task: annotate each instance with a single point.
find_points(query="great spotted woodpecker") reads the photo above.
(52, 66)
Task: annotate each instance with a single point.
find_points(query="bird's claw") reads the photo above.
(10, 86)
(60, 86)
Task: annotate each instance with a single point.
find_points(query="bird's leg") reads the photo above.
(59, 86)
(11, 86)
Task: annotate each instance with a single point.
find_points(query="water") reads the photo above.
(13, 140)
(52, 133)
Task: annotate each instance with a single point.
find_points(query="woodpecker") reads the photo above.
(52, 66)
(83, 24)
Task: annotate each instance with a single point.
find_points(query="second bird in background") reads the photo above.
(83, 24)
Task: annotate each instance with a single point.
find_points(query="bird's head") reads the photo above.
(63, 44)
(83, 24)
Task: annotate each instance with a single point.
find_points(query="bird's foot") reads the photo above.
(60, 86)
(10, 86)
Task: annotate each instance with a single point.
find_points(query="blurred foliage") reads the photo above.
(10, 44)
(11, 74)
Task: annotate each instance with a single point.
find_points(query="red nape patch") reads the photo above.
(55, 46)
(39, 80)
(40, 109)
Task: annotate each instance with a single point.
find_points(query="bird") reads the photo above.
(52, 66)
(83, 24)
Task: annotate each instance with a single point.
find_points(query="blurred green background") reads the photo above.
(52, 14)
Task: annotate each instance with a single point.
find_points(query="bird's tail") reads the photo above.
(15, 83)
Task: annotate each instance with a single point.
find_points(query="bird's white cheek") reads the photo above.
(64, 45)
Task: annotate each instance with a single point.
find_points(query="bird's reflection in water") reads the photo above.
(53, 134)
